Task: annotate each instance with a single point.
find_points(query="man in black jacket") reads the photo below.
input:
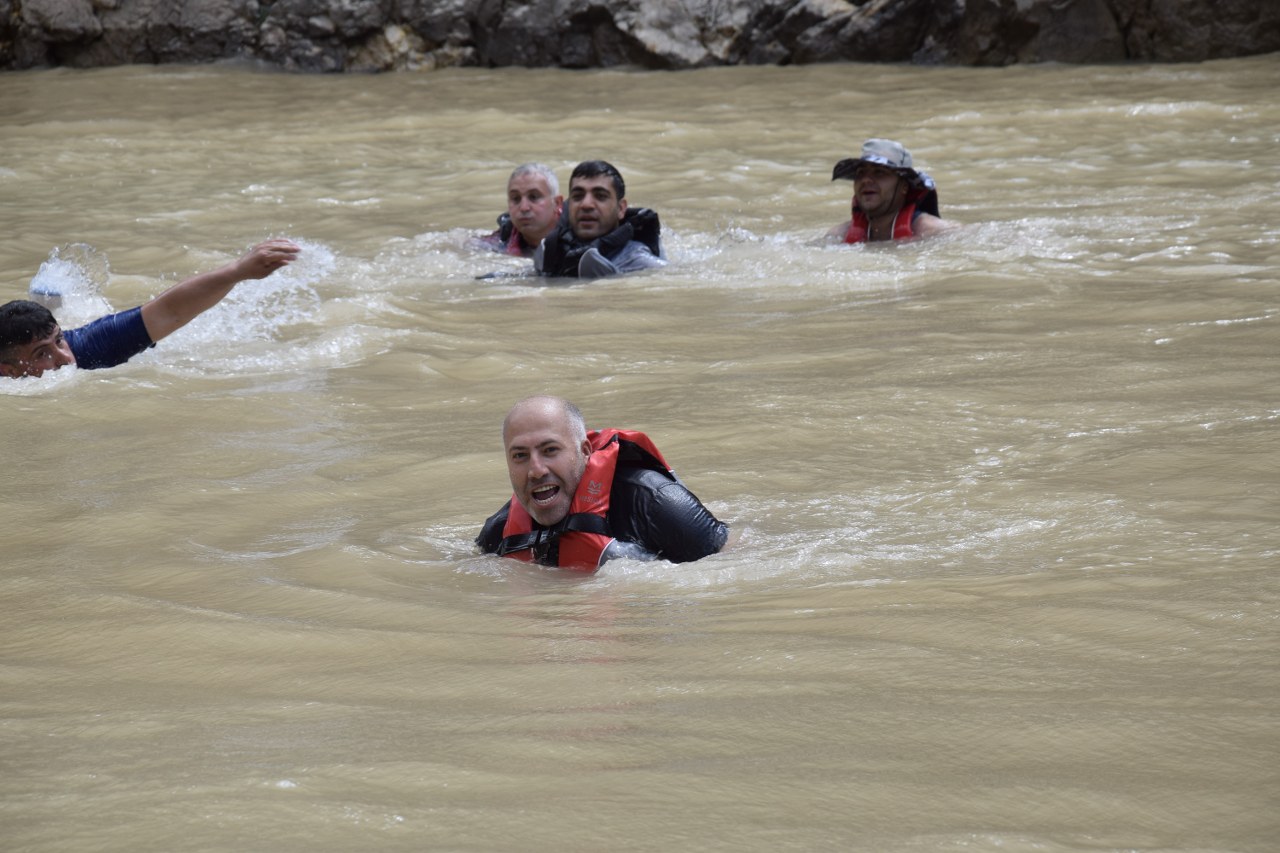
(581, 498)
(602, 235)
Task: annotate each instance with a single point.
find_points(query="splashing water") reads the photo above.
(70, 283)
(243, 332)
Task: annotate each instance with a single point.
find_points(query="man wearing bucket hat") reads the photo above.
(891, 199)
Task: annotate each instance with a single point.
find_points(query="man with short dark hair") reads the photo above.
(582, 498)
(602, 235)
(31, 341)
(891, 199)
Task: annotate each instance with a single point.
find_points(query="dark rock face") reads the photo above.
(378, 35)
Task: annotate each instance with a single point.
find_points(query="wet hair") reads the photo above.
(542, 171)
(21, 322)
(596, 168)
(577, 423)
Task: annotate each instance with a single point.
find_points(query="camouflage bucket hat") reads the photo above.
(883, 152)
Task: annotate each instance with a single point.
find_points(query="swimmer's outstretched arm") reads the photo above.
(183, 302)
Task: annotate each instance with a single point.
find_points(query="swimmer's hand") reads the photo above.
(183, 302)
(265, 258)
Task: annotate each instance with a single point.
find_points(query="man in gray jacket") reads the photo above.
(601, 236)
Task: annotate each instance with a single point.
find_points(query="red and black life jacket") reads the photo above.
(920, 199)
(509, 239)
(579, 541)
(515, 245)
(857, 232)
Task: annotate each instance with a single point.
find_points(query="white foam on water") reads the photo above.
(70, 284)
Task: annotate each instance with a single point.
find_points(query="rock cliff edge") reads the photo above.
(382, 35)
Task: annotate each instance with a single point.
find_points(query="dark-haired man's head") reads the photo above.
(597, 199)
(598, 168)
(31, 341)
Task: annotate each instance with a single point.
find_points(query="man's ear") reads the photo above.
(9, 370)
(622, 207)
(586, 447)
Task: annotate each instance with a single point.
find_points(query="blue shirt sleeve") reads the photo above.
(109, 341)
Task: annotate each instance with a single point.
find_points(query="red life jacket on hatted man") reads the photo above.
(857, 232)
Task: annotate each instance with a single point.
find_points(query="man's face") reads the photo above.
(33, 359)
(878, 190)
(594, 207)
(533, 209)
(544, 464)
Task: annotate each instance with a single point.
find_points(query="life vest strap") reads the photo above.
(581, 522)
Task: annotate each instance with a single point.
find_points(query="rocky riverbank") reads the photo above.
(382, 35)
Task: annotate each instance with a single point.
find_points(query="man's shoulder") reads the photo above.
(491, 533)
(109, 341)
(107, 321)
(640, 477)
(649, 492)
(928, 225)
(492, 241)
(658, 511)
(123, 325)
